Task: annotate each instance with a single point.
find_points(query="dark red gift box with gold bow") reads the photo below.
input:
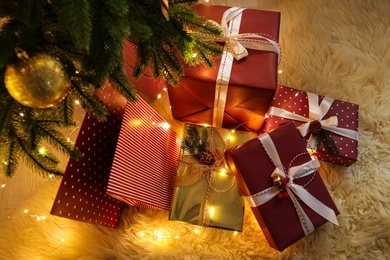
(337, 132)
(234, 91)
(280, 182)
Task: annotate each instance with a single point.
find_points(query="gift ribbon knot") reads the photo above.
(296, 192)
(317, 111)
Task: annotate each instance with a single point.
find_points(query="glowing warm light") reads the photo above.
(25, 211)
(280, 71)
(38, 218)
(211, 211)
(165, 89)
(296, 94)
(6, 163)
(196, 231)
(142, 234)
(50, 176)
(3, 185)
(231, 138)
(159, 236)
(62, 240)
(233, 131)
(153, 123)
(21, 114)
(135, 122)
(42, 150)
(165, 125)
(159, 96)
(235, 233)
(77, 102)
(194, 55)
(177, 236)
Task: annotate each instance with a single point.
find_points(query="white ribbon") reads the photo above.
(235, 47)
(294, 190)
(316, 112)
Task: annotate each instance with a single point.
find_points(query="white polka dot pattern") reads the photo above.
(145, 159)
(296, 101)
(82, 193)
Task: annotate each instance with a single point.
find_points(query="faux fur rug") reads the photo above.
(330, 47)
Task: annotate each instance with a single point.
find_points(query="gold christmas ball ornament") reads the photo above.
(38, 81)
(277, 180)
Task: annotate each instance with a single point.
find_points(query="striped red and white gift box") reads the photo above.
(145, 159)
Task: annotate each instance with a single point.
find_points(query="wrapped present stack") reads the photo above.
(237, 91)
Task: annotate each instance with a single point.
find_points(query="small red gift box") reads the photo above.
(82, 193)
(145, 159)
(338, 119)
(234, 92)
(146, 84)
(280, 182)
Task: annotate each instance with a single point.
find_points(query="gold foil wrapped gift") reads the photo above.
(205, 190)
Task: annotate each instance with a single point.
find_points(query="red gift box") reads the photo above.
(145, 159)
(146, 84)
(281, 184)
(82, 192)
(338, 118)
(233, 92)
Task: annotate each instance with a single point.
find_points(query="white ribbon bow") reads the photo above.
(294, 190)
(237, 43)
(316, 112)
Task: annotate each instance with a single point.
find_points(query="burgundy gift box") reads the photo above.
(278, 217)
(82, 192)
(146, 84)
(291, 104)
(252, 82)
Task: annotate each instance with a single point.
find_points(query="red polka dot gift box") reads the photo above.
(145, 159)
(329, 125)
(82, 192)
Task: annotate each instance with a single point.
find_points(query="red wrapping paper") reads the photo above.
(296, 101)
(252, 166)
(252, 82)
(146, 84)
(82, 192)
(145, 159)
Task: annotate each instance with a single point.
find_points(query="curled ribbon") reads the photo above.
(235, 47)
(316, 112)
(294, 190)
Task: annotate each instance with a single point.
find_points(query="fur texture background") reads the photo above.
(330, 47)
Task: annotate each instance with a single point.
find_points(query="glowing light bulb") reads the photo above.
(211, 211)
(50, 176)
(280, 71)
(159, 236)
(38, 218)
(159, 96)
(165, 126)
(165, 89)
(235, 233)
(5, 162)
(42, 150)
(177, 236)
(62, 240)
(25, 211)
(21, 114)
(223, 172)
(196, 231)
(231, 138)
(3, 185)
(77, 102)
(194, 55)
(142, 234)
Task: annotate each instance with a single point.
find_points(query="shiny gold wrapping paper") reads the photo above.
(208, 195)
